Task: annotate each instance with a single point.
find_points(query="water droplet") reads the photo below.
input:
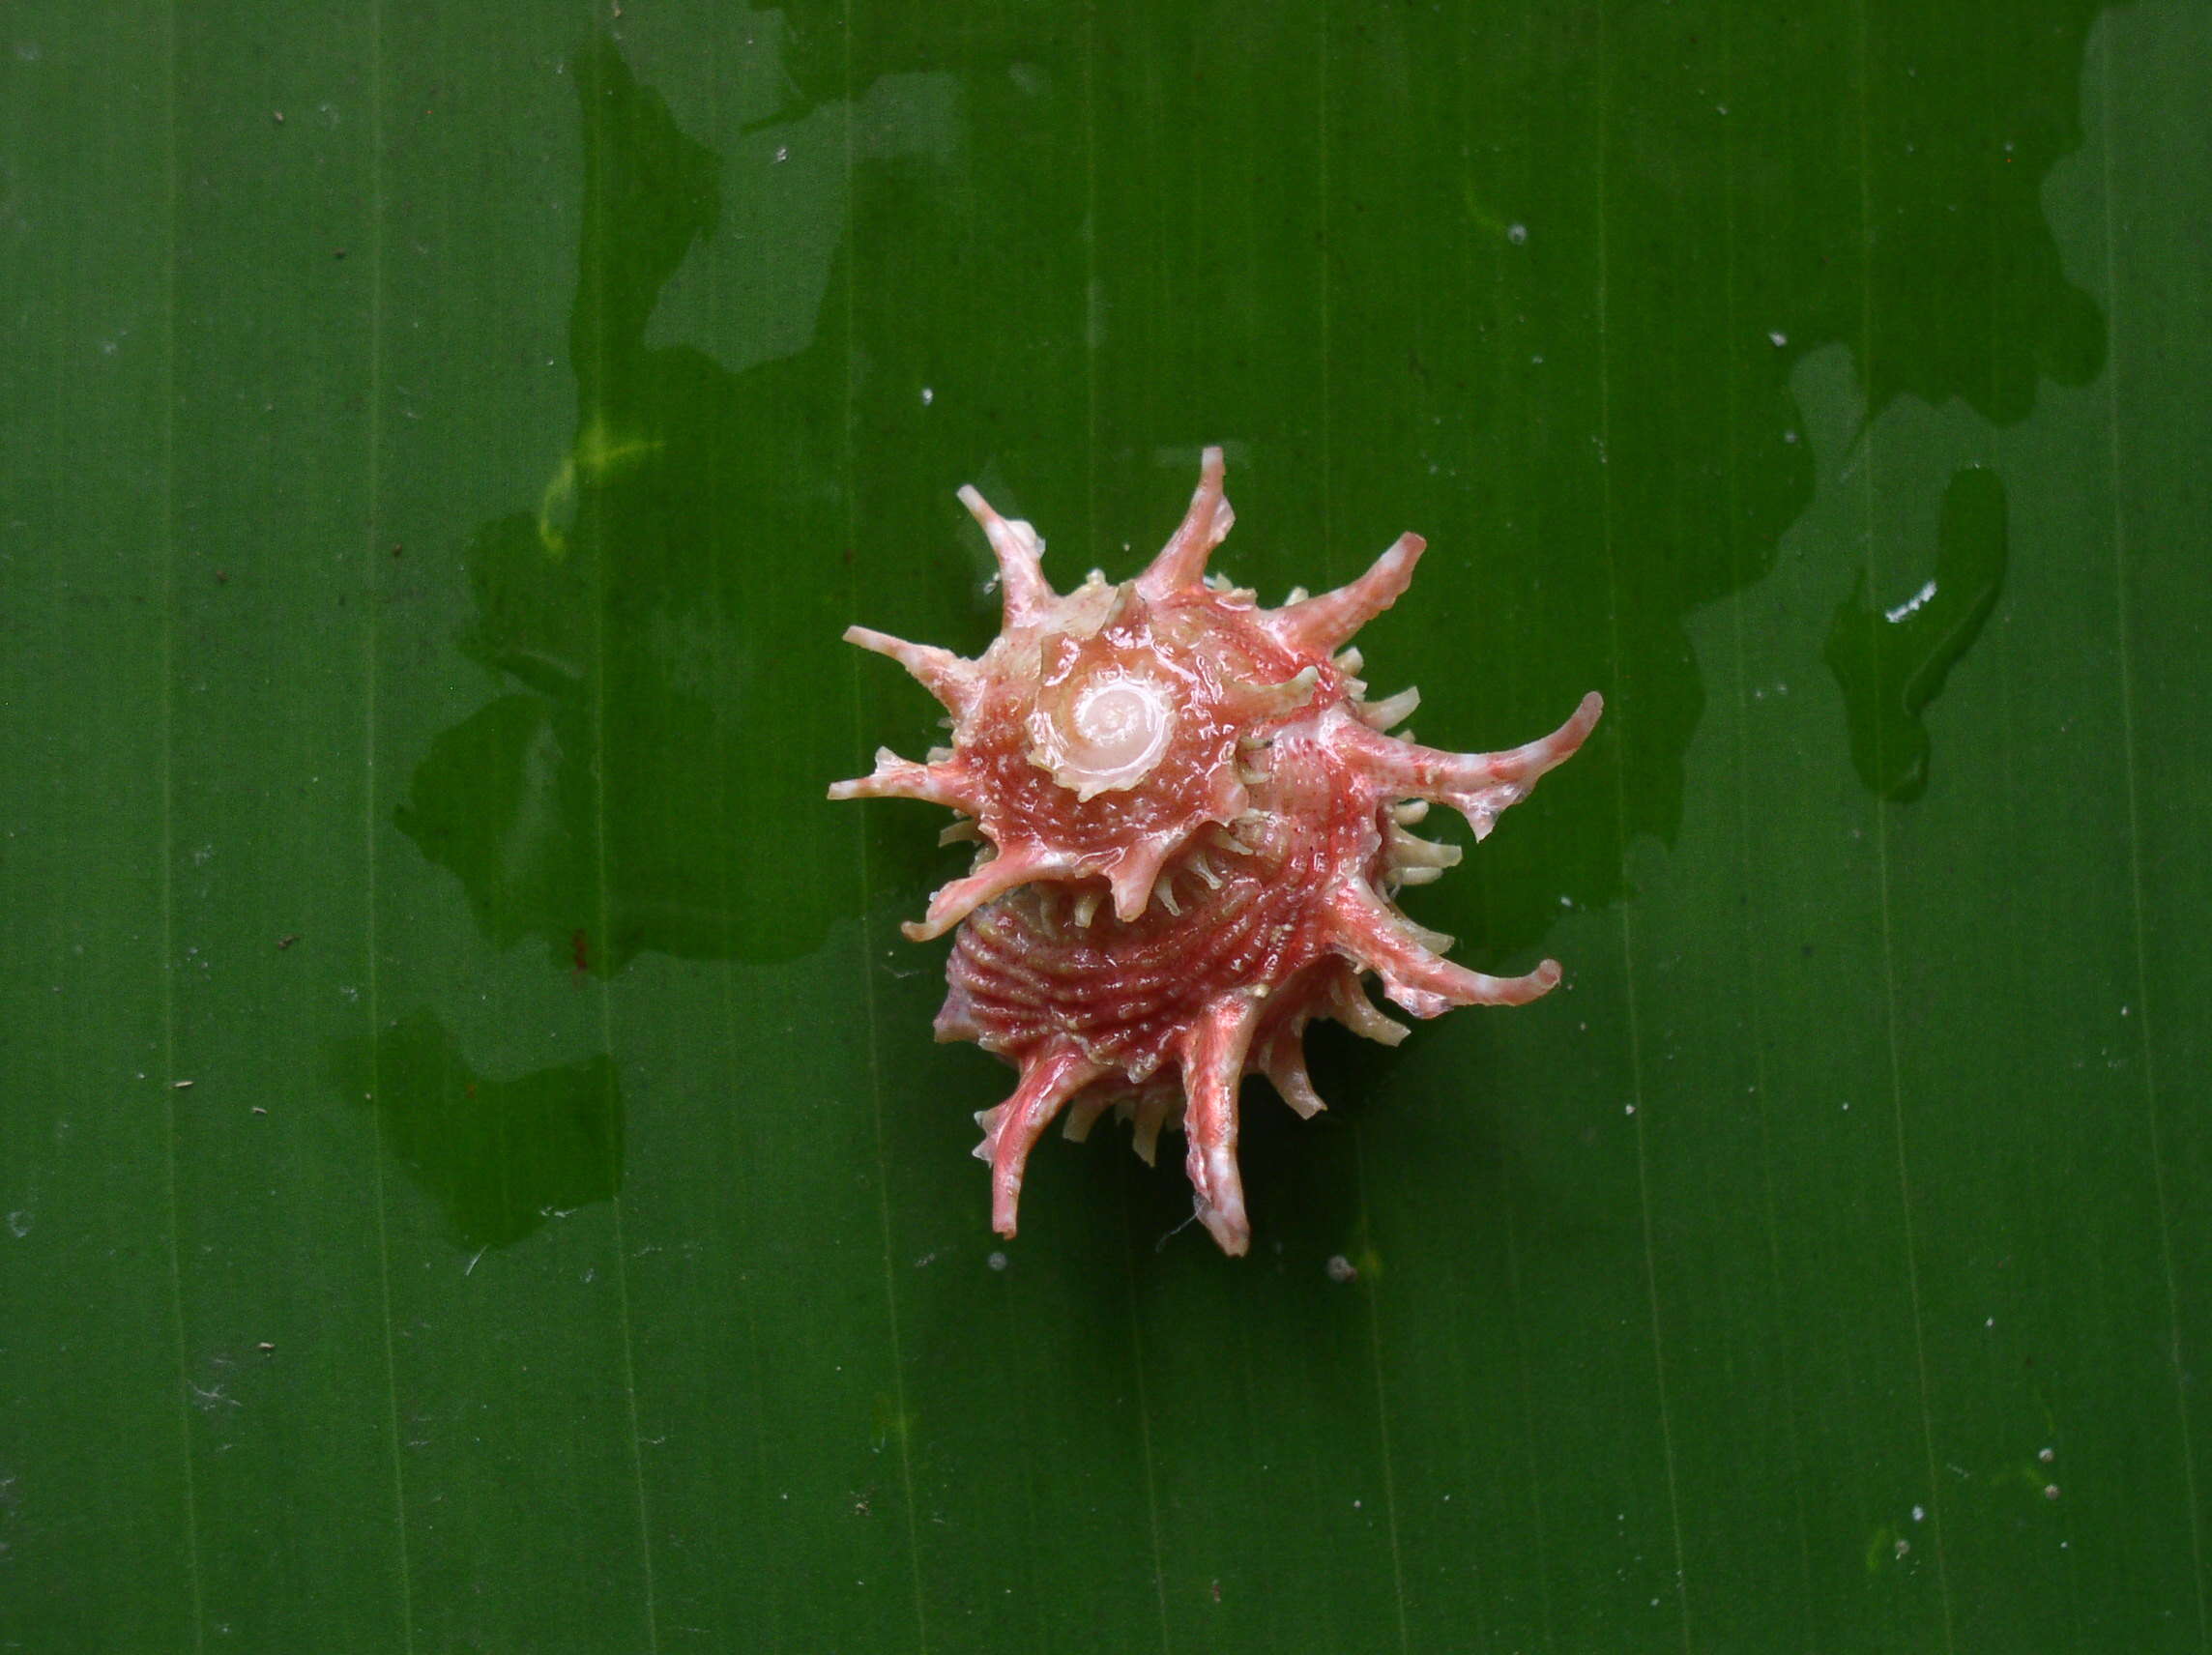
(1892, 660)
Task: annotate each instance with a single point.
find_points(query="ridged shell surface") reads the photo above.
(1191, 823)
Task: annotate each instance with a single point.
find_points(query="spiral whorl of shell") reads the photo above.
(1191, 823)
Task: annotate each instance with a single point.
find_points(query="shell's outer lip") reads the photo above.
(1109, 737)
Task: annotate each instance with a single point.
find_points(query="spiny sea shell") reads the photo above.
(1191, 825)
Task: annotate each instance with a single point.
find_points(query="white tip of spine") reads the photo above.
(1020, 554)
(1286, 1069)
(1133, 880)
(895, 778)
(1392, 711)
(941, 672)
(1049, 1079)
(1406, 956)
(1083, 1115)
(1181, 562)
(1479, 786)
(1325, 624)
(954, 902)
(1151, 1114)
(1350, 1005)
(1279, 700)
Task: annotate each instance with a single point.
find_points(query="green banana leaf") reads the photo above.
(476, 1169)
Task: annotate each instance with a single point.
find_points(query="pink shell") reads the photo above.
(1191, 828)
